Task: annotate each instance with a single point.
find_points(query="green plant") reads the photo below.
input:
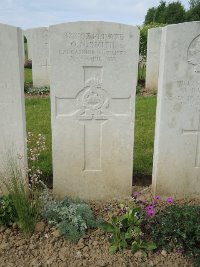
(25, 197)
(143, 36)
(126, 231)
(37, 90)
(8, 214)
(71, 217)
(177, 227)
(39, 122)
(23, 184)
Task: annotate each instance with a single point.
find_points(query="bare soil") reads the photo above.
(47, 248)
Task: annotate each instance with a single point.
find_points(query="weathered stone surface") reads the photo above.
(153, 57)
(176, 170)
(93, 81)
(12, 110)
(38, 40)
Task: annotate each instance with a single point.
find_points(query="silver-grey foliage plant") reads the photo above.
(71, 217)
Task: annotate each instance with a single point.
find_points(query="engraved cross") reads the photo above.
(93, 109)
(197, 133)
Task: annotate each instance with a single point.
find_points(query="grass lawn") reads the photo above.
(144, 135)
(38, 121)
(28, 77)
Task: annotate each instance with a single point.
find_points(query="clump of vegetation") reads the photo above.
(45, 90)
(72, 218)
(125, 231)
(24, 188)
(143, 36)
(28, 64)
(24, 197)
(8, 214)
(177, 228)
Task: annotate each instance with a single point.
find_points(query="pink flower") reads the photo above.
(135, 194)
(150, 212)
(170, 200)
(156, 198)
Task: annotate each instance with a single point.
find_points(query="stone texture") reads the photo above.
(176, 170)
(38, 40)
(93, 81)
(153, 58)
(12, 110)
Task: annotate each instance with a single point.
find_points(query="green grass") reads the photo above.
(38, 121)
(144, 135)
(28, 76)
(141, 73)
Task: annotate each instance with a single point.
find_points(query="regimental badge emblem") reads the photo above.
(193, 56)
(92, 101)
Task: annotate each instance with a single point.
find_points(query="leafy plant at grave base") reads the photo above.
(8, 214)
(125, 231)
(71, 217)
(37, 90)
(177, 227)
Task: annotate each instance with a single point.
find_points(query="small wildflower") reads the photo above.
(135, 194)
(150, 207)
(170, 200)
(179, 250)
(156, 198)
(150, 212)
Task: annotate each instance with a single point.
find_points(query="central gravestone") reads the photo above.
(93, 81)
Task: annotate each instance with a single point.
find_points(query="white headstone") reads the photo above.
(93, 81)
(12, 109)
(39, 46)
(27, 34)
(176, 168)
(153, 58)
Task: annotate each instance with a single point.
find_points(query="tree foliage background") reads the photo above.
(173, 12)
(167, 13)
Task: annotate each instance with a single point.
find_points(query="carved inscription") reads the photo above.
(184, 93)
(95, 47)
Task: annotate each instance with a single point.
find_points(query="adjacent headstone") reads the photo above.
(38, 39)
(93, 82)
(176, 170)
(153, 58)
(27, 34)
(12, 109)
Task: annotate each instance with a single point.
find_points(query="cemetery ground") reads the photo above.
(51, 242)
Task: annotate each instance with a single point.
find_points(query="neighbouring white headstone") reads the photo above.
(27, 34)
(39, 46)
(176, 170)
(93, 81)
(12, 109)
(153, 58)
